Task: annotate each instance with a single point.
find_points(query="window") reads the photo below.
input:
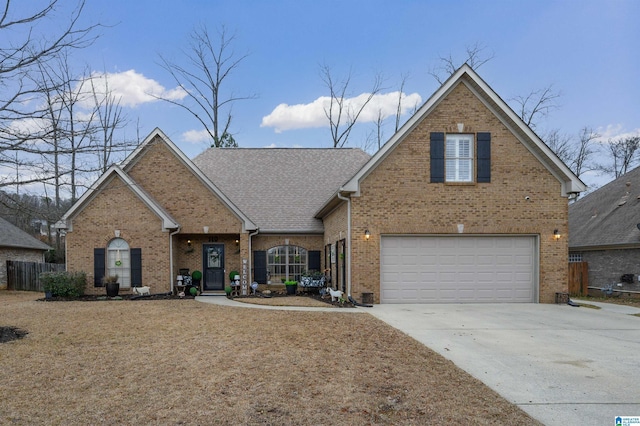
(119, 261)
(459, 158)
(452, 158)
(286, 262)
(575, 257)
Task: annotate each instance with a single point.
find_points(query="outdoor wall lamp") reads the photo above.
(367, 234)
(556, 234)
(189, 243)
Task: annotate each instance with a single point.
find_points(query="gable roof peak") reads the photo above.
(467, 76)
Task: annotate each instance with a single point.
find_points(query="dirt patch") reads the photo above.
(186, 362)
(8, 334)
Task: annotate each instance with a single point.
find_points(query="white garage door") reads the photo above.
(458, 269)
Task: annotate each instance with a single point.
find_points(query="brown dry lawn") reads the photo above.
(185, 362)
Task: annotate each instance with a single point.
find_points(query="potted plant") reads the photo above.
(291, 286)
(112, 285)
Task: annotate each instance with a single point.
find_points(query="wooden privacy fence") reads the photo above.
(578, 278)
(26, 275)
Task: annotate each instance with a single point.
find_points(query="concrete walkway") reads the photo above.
(563, 365)
(225, 301)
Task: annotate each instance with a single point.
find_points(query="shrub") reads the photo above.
(64, 284)
(291, 283)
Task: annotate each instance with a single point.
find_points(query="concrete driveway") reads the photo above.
(563, 365)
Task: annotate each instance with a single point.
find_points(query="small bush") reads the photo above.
(64, 284)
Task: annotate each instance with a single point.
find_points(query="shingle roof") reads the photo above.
(607, 216)
(12, 236)
(280, 189)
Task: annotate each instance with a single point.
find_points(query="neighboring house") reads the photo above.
(460, 205)
(17, 245)
(604, 231)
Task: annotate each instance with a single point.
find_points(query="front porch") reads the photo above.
(213, 255)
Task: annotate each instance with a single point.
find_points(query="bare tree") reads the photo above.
(623, 155)
(536, 105)
(476, 56)
(210, 65)
(581, 161)
(24, 48)
(561, 144)
(577, 155)
(109, 119)
(342, 113)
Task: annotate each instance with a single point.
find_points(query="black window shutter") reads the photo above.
(437, 157)
(484, 158)
(98, 266)
(314, 261)
(260, 267)
(136, 267)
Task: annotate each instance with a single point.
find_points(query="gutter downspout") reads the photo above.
(348, 200)
(171, 257)
(251, 234)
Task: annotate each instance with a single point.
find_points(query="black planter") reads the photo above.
(112, 289)
(291, 289)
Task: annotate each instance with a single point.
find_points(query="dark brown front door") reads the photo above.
(213, 265)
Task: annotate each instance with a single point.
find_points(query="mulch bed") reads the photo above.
(283, 296)
(7, 334)
(168, 296)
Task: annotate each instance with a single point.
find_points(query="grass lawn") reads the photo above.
(185, 362)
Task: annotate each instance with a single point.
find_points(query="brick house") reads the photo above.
(460, 205)
(17, 245)
(605, 233)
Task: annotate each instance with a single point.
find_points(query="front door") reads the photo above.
(213, 264)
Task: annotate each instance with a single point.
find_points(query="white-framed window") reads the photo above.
(459, 158)
(286, 262)
(119, 261)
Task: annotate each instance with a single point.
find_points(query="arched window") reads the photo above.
(286, 262)
(119, 261)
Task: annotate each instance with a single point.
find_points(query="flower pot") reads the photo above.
(48, 295)
(112, 289)
(291, 289)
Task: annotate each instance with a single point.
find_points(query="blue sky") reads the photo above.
(589, 50)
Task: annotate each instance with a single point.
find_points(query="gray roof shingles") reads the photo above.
(12, 236)
(281, 189)
(607, 216)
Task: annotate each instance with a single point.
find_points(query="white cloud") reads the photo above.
(133, 88)
(302, 116)
(615, 132)
(196, 136)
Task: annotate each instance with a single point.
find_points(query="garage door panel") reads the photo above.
(458, 269)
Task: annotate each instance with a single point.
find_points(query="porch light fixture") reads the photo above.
(556, 234)
(367, 234)
(189, 243)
